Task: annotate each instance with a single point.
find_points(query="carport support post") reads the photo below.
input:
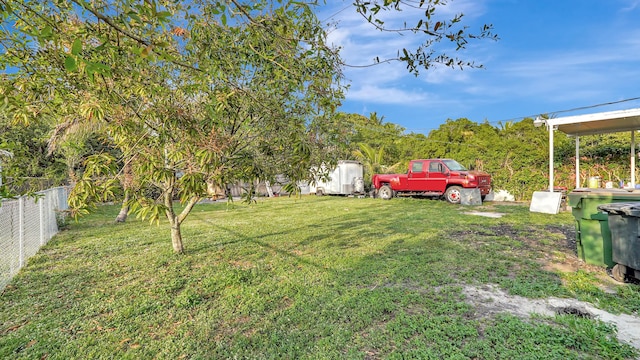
(550, 127)
(577, 161)
(633, 159)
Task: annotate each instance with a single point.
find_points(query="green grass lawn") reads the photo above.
(307, 278)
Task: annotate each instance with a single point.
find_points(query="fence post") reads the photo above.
(42, 222)
(21, 231)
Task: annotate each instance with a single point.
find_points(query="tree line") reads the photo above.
(515, 153)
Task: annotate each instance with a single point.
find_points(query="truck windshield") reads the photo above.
(454, 165)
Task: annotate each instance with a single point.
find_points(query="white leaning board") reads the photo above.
(545, 202)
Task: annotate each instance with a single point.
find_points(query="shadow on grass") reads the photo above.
(323, 278)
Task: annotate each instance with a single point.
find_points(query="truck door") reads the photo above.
(417, 177)
(437, 177)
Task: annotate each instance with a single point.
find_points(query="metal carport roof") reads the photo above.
(599, 123)
(590, 124)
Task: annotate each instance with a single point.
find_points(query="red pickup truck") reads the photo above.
(432, 178)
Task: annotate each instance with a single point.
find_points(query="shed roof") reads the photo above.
(599, 123)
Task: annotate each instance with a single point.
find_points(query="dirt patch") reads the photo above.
(490, 299)
(565, 232)
(568, 231)
(553, 246)
(548, 244)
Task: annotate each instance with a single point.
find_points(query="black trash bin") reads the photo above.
(624, 223)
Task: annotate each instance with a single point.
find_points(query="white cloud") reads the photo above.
(569, 64)
(394, 19)
(391, 83)
(470, 8)
(386, 95)
(584, 72)
(557, 75)
(362, 50)
(630, 5)
(361, 42)
(441, 74)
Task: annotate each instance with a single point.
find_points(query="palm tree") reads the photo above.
(371, 159)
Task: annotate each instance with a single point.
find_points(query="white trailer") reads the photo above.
(345, 179)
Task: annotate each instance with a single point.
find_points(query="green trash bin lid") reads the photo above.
(624, 208)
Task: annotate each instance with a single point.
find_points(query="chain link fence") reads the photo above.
(25, 225)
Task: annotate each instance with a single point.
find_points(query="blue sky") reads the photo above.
(553, 55)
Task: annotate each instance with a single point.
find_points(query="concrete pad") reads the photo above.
(485, 214)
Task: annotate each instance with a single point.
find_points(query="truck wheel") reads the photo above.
(618, 272)
(385, 192)
(452, 194)
(319, 192)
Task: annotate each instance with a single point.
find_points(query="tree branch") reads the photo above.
(187, 209)
(134, 37)
(109, 22)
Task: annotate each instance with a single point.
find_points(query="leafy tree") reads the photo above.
(4, 155)
(29, 168)
(189, 92)
(456, 139)
(234, 93)
(520, 159)
(411, 146)
(374, 132)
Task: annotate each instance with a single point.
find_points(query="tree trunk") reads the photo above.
(124, 210)
(126, 181)
(176, 238)
(175, 221)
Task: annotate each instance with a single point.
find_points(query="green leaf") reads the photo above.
(47, 32)
(76, 48)
(70, 64)
(102, 46)
(146, 51)
(101, 68)
(163, 15)
(133, 15)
